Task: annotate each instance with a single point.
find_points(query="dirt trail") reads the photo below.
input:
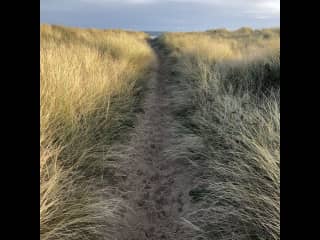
(156, 186)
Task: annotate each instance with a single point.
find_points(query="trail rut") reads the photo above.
(156, 186)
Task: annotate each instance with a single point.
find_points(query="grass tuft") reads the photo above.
(226, 94)
(91, 83)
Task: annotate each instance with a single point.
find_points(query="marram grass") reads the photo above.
(226, 94)
(89, 83)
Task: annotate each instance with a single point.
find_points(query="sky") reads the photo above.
(162, 15)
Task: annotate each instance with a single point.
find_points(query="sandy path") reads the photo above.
(156, 186)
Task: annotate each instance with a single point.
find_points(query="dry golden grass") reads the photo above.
(215, 46)
(90, 84)
(226, 94)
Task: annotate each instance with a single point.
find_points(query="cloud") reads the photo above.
(267, 6)
(161, 14)
(123, 2)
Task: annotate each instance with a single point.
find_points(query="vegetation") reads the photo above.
(91, 84)
(224, 89)
(226, 93)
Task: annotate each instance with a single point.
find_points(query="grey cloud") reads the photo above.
(171, 15)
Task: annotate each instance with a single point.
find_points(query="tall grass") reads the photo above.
(91, 83)
(226, 92)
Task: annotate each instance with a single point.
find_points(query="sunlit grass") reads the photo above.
(90, 80)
